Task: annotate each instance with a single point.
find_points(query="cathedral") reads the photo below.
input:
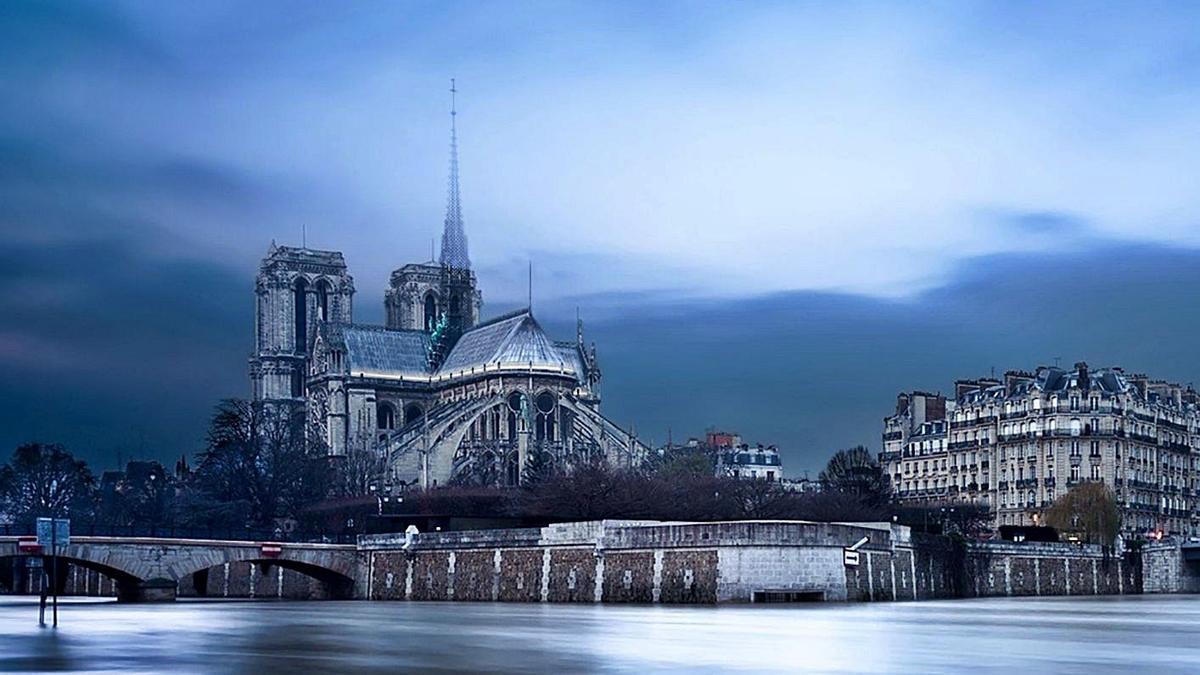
(443, 396)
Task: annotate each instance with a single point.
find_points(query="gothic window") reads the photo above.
(385, 416)
(545, 418)
(323, 300)
(515, 408)
(430, 311)
(454, 304)
(412, 413)
(301, 315)
(297, 384)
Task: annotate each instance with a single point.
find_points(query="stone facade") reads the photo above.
(1015, 445)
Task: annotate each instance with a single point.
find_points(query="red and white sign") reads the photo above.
(28, 545)
(271, 550)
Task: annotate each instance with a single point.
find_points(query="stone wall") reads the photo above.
(751, 561)
(1166, 570)
(1007, 569)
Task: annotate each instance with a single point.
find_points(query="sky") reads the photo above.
(772, 216)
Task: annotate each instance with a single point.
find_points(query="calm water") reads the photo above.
(1065, 635)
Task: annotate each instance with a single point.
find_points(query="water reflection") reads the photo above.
(1069, 635)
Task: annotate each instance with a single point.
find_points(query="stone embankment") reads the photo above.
(615, 562)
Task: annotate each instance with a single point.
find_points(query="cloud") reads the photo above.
(1046, 223)
(778, 209)
(814, 372)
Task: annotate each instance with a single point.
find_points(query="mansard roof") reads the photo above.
(1106, 381)
(514, 339)
(379, 351)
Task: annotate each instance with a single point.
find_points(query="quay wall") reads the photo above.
(730, 562)
(629, 562)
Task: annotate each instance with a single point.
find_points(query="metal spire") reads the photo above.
(454, 238)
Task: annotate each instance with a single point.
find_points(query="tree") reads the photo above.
(259, 461)
(45, 480)
(144, 495)
(855, 471)
(362, 468)
(1088, 511)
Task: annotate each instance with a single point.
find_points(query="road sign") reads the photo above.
(53, 532)
(271, 550)
(849, 557)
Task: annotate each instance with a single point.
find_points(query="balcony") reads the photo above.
(1048, 482)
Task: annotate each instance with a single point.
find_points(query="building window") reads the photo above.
(323, 300)
(385, 416)
(430, 311)
(412, 413)
(300, 302)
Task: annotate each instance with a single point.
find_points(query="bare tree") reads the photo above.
(856, 471)
(259, 455)
(45, 480)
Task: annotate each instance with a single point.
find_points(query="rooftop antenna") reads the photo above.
(1056, 360)
(531, 286)
(432, 255)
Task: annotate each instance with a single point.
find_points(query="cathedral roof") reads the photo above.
(514, 339)
(569, 351)
(378, 351)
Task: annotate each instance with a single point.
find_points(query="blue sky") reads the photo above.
(871, 179)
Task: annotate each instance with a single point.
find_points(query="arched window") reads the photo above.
(430, 311)
(545, 417)
(385, 416)
(412, 413)
(454, 304)
(516, 406)
(323, 291)
(301, 315)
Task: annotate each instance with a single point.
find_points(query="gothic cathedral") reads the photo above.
(443, 397)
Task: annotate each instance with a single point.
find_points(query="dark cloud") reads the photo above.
(1047, 222)
(109, 348)
(814, 372)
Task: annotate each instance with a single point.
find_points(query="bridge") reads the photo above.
(153, 569)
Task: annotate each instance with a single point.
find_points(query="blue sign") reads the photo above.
(53, 532)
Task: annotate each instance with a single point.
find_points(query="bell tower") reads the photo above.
(295, 290)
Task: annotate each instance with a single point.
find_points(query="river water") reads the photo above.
(1158, 634)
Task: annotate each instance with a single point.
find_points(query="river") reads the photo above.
(1031, 635)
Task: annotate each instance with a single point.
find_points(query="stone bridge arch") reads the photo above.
(337, 570)
(151, 569)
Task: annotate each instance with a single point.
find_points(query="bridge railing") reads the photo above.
(216, 534)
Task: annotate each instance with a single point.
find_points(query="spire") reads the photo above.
(454, 238)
